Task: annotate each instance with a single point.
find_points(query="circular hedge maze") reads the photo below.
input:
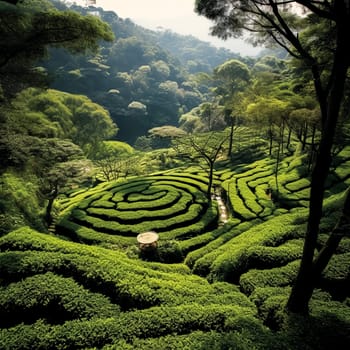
(173, 205)
(83, 296)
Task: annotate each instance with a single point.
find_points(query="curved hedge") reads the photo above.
(61, 294)
(173, 205)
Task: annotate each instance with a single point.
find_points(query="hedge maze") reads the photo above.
(173, 205)
(230, 278)
(64, 295)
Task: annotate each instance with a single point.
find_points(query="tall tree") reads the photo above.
(60, 165)
(205, 147)
(233, 76)
(73, 117)
(288, 24)
(29, 28)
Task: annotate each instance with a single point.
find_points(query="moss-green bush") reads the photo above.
(172, 204)
(53, 298)
(170, 252)
(233, 261)
(202, 258)
(20, 204)
(127, 282)
(276, 277)
(150, 323)
(104, 296)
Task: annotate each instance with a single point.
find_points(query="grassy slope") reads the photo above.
(58, 294)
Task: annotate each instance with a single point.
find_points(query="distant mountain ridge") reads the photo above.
(144, 78)
(186, 48)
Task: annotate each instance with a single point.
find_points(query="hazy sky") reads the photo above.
(177, 15)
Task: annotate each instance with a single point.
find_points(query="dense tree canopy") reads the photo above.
(29, 28)
(290, 24)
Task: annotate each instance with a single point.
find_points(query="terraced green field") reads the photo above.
(87, 287)
(174, 205)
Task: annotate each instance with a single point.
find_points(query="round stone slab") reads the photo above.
(147, 237)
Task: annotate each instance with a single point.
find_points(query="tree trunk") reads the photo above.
(305, 282)
(303, 288)
(230, 146)
(289, 138)
(278, 157)
(48, 213)
(210, 183)
(304, 136)
(340, 230)
(270, 133)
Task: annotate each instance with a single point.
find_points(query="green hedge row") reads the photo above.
(198, 192)
(89, 235)
(199, 340)
(276, 277)
(151, 194)
(265, 257)
(200, 241)
(256, 256)
(192, 215)
(252, 186)
(142, 324)
(133, 186)
(188, 176)
(83, 234)
(173, 204)
(230, 264)
(237, 204)
(298, 185)
(201, 259)
(167, 206)
(254, 170)
(52, 297)
(128, 282)
(285, 185)
(269, 207)
(205, 220)
(262, 177)
(249, 197)
(76, 197)
(197, 181)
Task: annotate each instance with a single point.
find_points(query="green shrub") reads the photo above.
(276, 277)
(205, 256)
(170, 252)
(127, 282)
(150, 323)
(336, 276)
(236, 201)
(172, 204)
(20, 204)
(233, 260)
(254, 339)
(199, 241)
(262, 257)
(249, 197)
(52, 298)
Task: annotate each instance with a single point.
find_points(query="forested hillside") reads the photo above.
(144, 78)
(157, 193)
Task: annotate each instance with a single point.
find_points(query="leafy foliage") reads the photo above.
(29, 30)
(56, 292)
